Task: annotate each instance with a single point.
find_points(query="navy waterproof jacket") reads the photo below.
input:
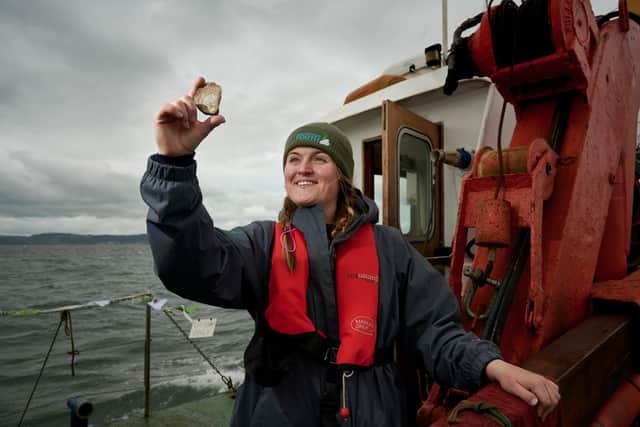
(231, 269)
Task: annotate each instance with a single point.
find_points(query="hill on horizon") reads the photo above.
(70, 238)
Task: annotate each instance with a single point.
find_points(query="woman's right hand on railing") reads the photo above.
(178, 130)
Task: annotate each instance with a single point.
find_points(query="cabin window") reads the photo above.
(372, 185)
(416, 185)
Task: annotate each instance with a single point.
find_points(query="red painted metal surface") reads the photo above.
(516, 410)
(526, 194)
(623, 407)
(576, 197)
(567, 202)
(575, 37)
(625, 290)
(493, 223)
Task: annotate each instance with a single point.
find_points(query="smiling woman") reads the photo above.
(311, 175)
(342, 305)
(311, 178)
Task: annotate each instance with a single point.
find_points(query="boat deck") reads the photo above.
(213, 411)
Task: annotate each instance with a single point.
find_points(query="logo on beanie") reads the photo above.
(313, 137)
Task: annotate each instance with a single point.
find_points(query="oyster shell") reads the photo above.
(208, 98)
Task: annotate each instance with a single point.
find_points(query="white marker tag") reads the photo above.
(202, 328)
(102, 303)
(157, 304)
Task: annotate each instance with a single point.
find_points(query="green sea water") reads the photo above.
(110, 340)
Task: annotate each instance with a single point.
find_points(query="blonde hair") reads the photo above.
(345, 215)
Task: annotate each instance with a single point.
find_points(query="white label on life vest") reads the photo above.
(202, 328)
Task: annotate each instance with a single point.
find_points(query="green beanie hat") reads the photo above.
(325, 137)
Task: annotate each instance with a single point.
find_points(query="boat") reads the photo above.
(538, 233)
(411, 124)
(521, 185)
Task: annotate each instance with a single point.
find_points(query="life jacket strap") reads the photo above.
(329, 353)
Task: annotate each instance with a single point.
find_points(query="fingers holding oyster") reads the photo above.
(178, 130)
(208, 98)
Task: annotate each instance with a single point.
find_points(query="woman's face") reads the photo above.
(310, 178)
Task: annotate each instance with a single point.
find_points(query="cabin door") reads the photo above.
(398, 170)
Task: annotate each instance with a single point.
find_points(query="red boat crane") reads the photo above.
(553, 213)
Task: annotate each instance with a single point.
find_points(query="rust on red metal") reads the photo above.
(578, 219)
(526, 193)
(493, 223)
(578, 102)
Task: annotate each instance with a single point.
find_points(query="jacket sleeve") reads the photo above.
(451, 355)
(191, 257)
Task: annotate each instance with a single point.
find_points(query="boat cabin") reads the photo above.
(405, 132)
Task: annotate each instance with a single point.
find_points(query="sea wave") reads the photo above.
(109, 368)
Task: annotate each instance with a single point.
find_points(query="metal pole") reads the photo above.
(147, 359)
(69, 308)
(445, 30)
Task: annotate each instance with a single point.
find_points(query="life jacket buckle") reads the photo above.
(330, 355)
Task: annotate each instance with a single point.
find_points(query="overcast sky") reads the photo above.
(81, 82)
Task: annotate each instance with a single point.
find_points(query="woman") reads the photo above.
(332, 292)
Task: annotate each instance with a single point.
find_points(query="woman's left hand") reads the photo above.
(528, 386)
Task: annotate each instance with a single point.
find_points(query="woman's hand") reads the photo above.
(178, 131)
(528, 386)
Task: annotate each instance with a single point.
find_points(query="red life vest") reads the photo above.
(357, 276)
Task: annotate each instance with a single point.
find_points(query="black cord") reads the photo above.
(467, 249)
(226, 380)
(603, 19)
(35, 386)
(502, 303)
(559, 121)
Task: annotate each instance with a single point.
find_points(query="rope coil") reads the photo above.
(480, 408)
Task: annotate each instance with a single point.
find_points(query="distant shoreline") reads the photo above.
(75, 239)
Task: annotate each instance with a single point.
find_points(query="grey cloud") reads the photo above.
(34, 186)
(81, 81)
(64, 64)
(242, 208)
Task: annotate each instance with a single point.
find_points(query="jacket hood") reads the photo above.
(367, 213)
(312, 217)
(369, 209)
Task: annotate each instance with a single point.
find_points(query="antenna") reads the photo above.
(445, 30)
